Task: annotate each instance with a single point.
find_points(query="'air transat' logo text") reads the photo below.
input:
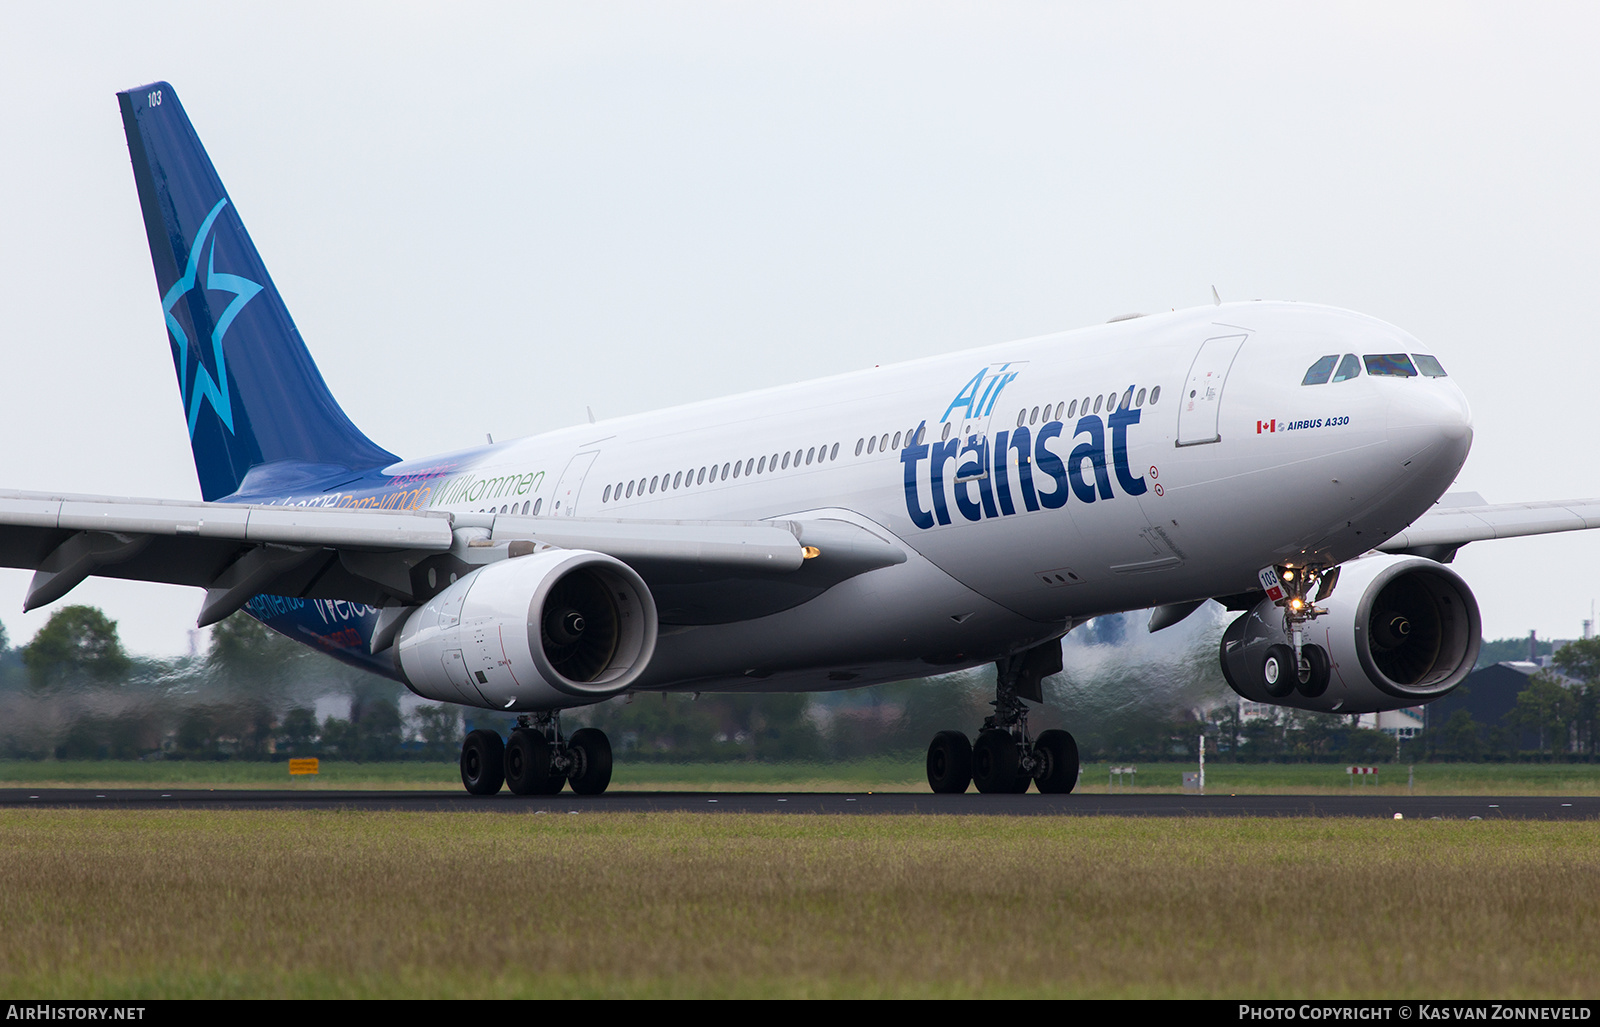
(991, 474)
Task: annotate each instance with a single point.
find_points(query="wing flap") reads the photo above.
(739, 547)
(280, 525)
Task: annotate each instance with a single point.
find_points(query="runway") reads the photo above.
(1450, 807)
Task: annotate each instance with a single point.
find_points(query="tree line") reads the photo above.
(74, 692)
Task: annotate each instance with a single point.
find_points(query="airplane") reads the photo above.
(1287, 460)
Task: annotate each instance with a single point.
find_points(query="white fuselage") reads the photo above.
(1183, 494)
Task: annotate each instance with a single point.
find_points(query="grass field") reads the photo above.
(392, 905)
(880, 775)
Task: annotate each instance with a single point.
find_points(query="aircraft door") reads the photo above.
(1201, 402)
(566, 499)
(969, 421)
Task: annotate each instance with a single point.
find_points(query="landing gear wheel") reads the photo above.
(996, 764)
(1278, 671)
(527, 763)
(1315, 671)
(590, 750)
(483, 767)
(1057, 752)
(949, 763)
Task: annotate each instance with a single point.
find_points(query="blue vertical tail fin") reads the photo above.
(252, 395)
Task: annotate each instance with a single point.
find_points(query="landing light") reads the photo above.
(810, 552)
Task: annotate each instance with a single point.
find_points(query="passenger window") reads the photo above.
(1155, 394)
(1097, 401)
(1349, 368)
(1428, 365)
(700, 479)
(1072, 411)
(537, 503)
(607, 497)
(1127, 399)
(1390, 365)
(1033, 418)
(809, 454)
(1138, 400)
(677, 479)
(833, 454)
(1317, 374)
(762, 467)
(1022, 416)
(896, 444)
(883, 443)
(1059, 408)
(860, 445)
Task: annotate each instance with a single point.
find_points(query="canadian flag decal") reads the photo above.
(1266, 426)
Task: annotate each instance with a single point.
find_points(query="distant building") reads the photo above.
(1404, 723)
(1400, 723)
(1490, 693)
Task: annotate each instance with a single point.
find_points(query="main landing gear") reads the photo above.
(1006, 758)
(537, 760)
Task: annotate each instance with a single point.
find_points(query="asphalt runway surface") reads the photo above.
(1448, 807)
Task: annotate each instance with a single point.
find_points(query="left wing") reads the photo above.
(1462, 517)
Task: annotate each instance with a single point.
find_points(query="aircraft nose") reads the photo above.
(1430, 428)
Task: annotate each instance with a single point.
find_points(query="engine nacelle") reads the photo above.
(1400, 631)
(554, 629)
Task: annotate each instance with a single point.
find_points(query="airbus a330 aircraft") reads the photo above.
(1283, 459)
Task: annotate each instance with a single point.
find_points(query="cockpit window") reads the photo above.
(1428, 365)
(1393, 365)
(1349, 368)
(1318, 373)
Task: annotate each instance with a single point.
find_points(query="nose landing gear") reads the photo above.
(1006, 758)
(1300, 665)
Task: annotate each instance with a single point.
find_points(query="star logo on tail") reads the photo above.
(203, 384)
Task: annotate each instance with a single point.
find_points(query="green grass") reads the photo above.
(103, 904)
(1330, 778)
(877, 774)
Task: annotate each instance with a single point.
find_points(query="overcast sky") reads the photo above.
(486, 218)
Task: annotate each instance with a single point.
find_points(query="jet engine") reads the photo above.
(549, 630)
(1399, 631)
